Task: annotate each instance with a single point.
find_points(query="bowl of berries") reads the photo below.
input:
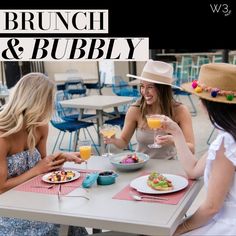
(130, 160)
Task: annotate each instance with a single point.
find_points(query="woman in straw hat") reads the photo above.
(23, 135)
(156, 98)
(216, 88)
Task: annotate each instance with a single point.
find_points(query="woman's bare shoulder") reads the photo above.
(181, 112)
(4, 145)
(134, 110)
(43, 130)
(181, 108)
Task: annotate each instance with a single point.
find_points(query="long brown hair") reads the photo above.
(166, 101)
(222, 115)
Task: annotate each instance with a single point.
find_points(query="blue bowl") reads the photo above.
(117, 158)
(107, 178)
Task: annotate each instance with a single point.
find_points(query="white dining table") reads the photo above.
(62, 78)
(99, 103)
(102, 211)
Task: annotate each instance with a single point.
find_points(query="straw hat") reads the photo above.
(216, 82)
(157, 72)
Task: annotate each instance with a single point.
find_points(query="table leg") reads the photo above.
(97, 231)
(99, 125)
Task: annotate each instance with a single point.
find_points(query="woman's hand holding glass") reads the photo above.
(165, 139)
(169, 126)
(154, 122)
(108, 131)
(85, 150)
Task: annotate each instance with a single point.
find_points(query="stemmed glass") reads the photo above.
(108, 131)
(85, 149)
(154, 122)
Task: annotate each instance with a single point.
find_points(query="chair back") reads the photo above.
(121, 88)
(183, 69)
(97, 85)
(75, 86)
(58, 114)
(102, 78)
(66, 113)
(217, 59)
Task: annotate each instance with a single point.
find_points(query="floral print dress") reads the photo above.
(17, 165)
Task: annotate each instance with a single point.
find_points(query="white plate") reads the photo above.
(45, 178)
(140, 184)
(115, 161)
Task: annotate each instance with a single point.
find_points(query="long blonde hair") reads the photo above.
(29, 106)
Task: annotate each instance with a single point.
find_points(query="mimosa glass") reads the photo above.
(85, 149)
(154, 122)
(108, 131)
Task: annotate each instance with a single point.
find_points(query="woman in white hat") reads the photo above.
(156, 98)
(216, 88)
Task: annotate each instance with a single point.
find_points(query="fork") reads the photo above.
(138, 196)
(59, 192)
(39, 186)
(82, 196)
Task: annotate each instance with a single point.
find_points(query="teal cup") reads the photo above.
(107, 178)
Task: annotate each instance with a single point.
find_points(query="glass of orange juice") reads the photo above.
(108, 131)
(85, 150)
(154, 122)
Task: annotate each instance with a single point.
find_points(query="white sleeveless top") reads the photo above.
(224, 222)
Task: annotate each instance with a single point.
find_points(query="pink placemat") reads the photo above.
(172, 198)
(30, 186)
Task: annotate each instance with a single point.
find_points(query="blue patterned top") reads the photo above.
(17, 165)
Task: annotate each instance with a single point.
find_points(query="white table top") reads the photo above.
(96, 102)
(101, 211)
(61, 78)
(134, 82)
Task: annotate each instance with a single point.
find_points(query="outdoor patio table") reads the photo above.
(98, 103)
(62, 78)
(103, 211)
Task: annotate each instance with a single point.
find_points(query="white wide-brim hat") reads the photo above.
(158, 72)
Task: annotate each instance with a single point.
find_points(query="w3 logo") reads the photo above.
(221, 8)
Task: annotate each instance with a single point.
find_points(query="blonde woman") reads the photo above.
(23, 136)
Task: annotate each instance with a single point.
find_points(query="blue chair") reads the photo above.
(119, 121)
(72, 126)
(211, 134)
(178, 92)
(75, 87)
(116, 121)
(121, 88)
(67, 113)
(98, 85)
